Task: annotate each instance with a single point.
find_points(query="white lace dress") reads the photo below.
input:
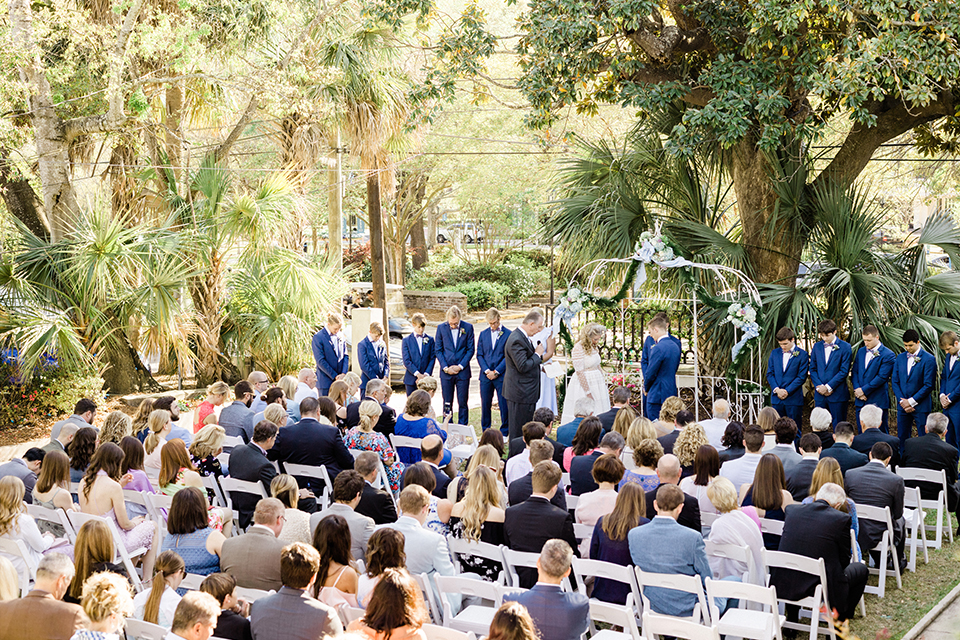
(586, 371)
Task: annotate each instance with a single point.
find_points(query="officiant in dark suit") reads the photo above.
(521, 380)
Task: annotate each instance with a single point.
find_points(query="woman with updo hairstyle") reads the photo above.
(116, 427)
(645, 458)
(140, 428)
(364, 438)
(190, 534)
(159, 425)
(667, 420)
(217, 394)
(396, 610)
(732, 442)
(585, 440)
(206, 446)
(512, 621)
(107, 601)
(384, 551)
(80, 450)
(296, 526)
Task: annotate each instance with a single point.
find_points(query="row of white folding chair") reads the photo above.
(232, 485)
(509, 559)
(469, 443)
(436, 632)
(77, 519)
(677, 582)
(139, 630)
(54, 516)
(614, 614)
(810, 606)
(584, 569)
(939, 505)
(761, 622)
(743, 555)
(655, 625)
(315, 473)
(192, 582)
(472, 617)
(18, 549)
(885, 547)
(916, 532)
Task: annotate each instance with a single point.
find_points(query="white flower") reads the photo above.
(576, 307)
(573, 294)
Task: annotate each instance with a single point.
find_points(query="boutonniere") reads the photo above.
(461, 332)
(426, 338)
(794, 353)
(833, 347)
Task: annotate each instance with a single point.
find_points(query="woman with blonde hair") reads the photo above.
(667, 420)
(159, 425)
(609, 540)
(159, 604)
(353, 386)
(640, 429)
(588, 377)
(116, 427)
(206, 446)
(736, 526)
(276, 414)
(766, 420)
(140, 418)
(217, 394)
(487, 456)
(9, 581)
(364, 438)
(623, 421)
(107, 603)
(479, 517)
(645, 457)
(296, 526)
(338, 393)
(52, 490)
(15, 524)
(688, 443)
(93, 553)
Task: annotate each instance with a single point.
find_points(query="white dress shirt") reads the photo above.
(868, 358)
(786, 358)
(304, 391)
(714, 428)
(518, 466)
(742, 470)
(827, 350)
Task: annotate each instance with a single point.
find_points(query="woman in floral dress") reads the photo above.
(364, 438)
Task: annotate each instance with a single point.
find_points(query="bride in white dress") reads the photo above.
(588, 378)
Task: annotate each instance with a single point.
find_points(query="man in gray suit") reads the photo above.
(558, 615)
(347, 490)
(83, 415)
(785, 449)
(25, 468)
(62, 440)
(253, 559)
(237, 418)
(875, 485)
(291, 614)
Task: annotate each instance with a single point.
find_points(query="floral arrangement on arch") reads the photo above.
(652, 246)
(743, 317)
(631, 379)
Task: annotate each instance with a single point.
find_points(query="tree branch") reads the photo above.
(114, 94)
(697, 96)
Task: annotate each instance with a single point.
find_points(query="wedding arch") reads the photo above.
(712, 304)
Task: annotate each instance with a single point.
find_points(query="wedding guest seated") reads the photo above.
(52, 490)
(490, 437)
(178, 473)
(384, 552)
(376, 391)
(828, 471)
(874, 484)
(479, 517)
(94, 553)
(646, 455)
(606, 474)
(133, 455)
(249, 462)
(821, 422)
(347, 492)
(546, 417)
(581, 467)
(426, 550)
(336, 583)
(871, 417)
(766, 420)
(159, 425)
(206, 446)
(49, 617)
(274, 395)
(396, 610)
(217, 394)
(485, 456)
(557, 614)
(668, 472)
(83, 414)
(734, 526)
(682, 419)
(665, 546)
(296, 525)
(767, 493)
(190, 534)
(519, 465)
(254, 557)
(798, 480)
(170, 404)
(686, 446)
(414, 423)
(848, 458)
(63, 440)
(715, 427)
(26, 468)
(609, 542)
(522, 488)
(107, 602)
(929, 451)
(158, 604)
(314, 441)
(364, 438)
(80, 450)
(512, 621)
(742, 470)
(785, 449)
(374, 503)
(232, 624)
(438, 513)
(666, 420)
(620, 400)
(706, 469)
(732, 442)
(582, 409)
(584, 442)
(640, 429)
(196, 616)
(433, 454)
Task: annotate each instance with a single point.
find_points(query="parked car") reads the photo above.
(443, 235)
(470, 232)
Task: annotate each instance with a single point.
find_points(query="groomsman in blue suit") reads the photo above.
(786, 373)
(418, 354)
(660, 376)
(648, 343)
(330, 354)
(492, 366)
(829, 368)
(372, 353)
(950, 384)
(914, 376)
(872, 367)
(455, 348)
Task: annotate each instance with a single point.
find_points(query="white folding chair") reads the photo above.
(75, 487)
(404, 441)
(382, 482)
(584, 568)
(349, 614)
(811, 606)
(940, 504)
(210, 483)
(77, 519)
(707, 519)
(429, 596)
(657, 625)
(139, 630)
(250, 595)
(572, 501)
(460, 547)
(676, 582)
(469, 437)
(472, 617)
(763, 623)
(316, 473)
(138, 498)
(18, 549)
(436, 632)
(192, 581)
(565, 479)
(158, 505)
(54, 516)
(885, 547)
(229, 442)
(232, 485)
(737, 554)
(513, 559)
(619, 615)
(582, 531)
(916, 532)
(774, 527)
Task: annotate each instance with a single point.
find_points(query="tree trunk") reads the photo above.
(21, 200)
(375, 221)
(125, 372)
(173, 133)
(418, 244)
(774, 254)
(334, 211)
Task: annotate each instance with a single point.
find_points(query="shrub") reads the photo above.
(482, 295)
(51, 392)
(520, 283)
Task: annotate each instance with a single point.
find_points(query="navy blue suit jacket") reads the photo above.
(374, 362)
(414, 361)
(790, 379)
(329, 366)
(873, 380)
(919, 383)
(461, 354)
(559, 615)
(847, 457)
(648, 343)
(581, 473)
(492, 358)
(660, 376)
(950, 387)
(313, 443)
(834, 373)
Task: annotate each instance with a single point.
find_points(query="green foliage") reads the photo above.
(51, 392)
(482, 295)
(519, 283)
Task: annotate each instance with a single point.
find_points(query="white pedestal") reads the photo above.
(360, 327)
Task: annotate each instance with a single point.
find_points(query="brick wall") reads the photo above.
(435, 300)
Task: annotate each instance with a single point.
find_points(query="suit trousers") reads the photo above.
(884, 425)
(461, 384)
(487, 388)
(410, 388)
(651, 410)
(953, 415)
(794, 412)
(323, 391)
(519, 414)
(905, 422)
(838, 410)
(847, 597)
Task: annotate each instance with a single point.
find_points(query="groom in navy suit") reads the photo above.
(330, 354)
(455, 348)
(914, 375)
(660, 376)
(493, 364)
(786, 373)
(418, 354)
(950, 384)
(648, 343)
(829, 368)
(872, 367)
